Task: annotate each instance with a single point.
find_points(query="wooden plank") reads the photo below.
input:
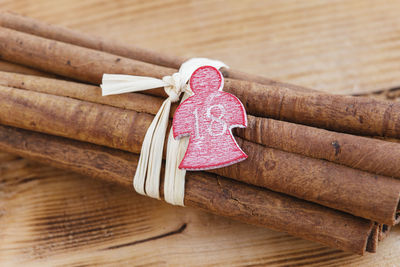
(51, 218)
(337, 46)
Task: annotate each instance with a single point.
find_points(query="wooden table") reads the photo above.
(50, 217)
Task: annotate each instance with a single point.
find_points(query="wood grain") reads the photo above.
(56, 218)
(336, 46)
(340, 46)
(215, 194)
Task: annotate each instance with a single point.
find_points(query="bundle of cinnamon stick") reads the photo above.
(324, 184)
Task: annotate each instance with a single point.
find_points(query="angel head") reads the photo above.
(206, 79)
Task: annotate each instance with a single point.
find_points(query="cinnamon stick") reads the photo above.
(360, 193)
(209, 192)
(158, 61)
(62, 34)
(358, 115)
(367, 154)
(11, 67)
(59, 33)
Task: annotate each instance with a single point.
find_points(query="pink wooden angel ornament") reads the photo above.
(208, 118)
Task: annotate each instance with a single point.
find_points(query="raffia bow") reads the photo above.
(147, 176)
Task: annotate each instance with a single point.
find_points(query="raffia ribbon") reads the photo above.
(147, 176)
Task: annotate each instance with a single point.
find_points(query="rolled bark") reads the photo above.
(62, 34)
(359, 193)
(367, 154)
(209, 192)
(358, 115)
(11, 67)
(90, 93)
(59, 33)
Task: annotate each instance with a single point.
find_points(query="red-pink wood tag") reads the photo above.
(208, 118)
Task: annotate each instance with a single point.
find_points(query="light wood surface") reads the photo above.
(336, 46)
(50, 217)
(54, 218)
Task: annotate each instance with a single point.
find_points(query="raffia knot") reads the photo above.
(175, 86)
